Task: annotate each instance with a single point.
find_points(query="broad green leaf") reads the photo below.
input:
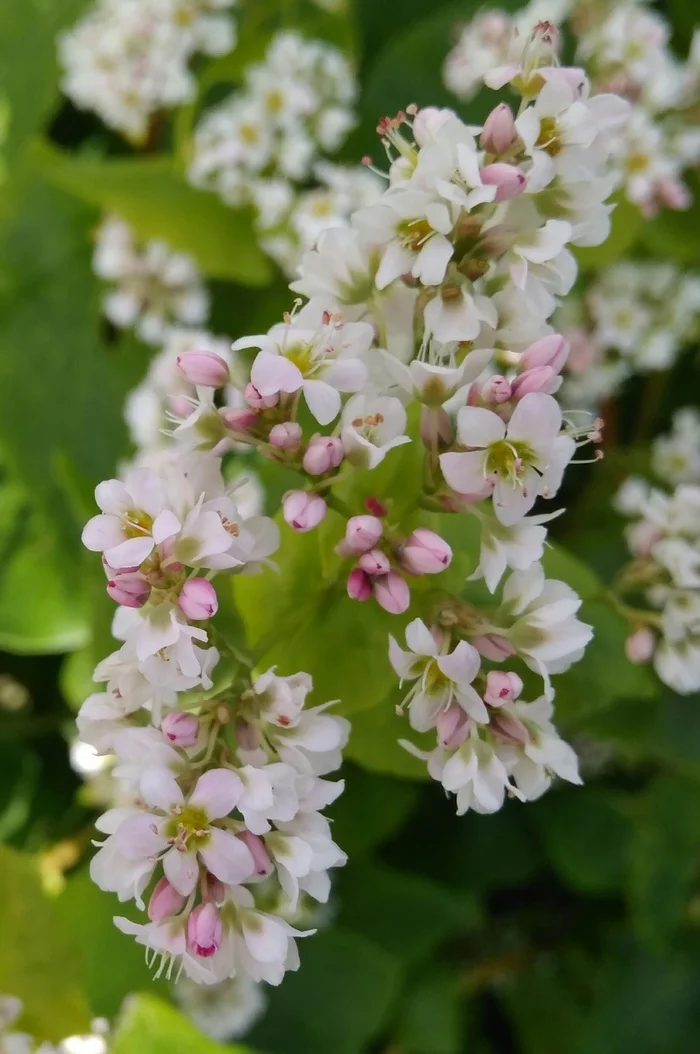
(665, 857)
(673, 235)
(154, 197)
(407, 914)
(430, 1016)
(151, 1026)
(370, 810)
(374, 741)
(337, 1002)
(544, 1008)
(38, 962)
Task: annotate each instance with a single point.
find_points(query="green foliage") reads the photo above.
(150, 1026)
(370, 810)
(627, 222)
(430, 1019)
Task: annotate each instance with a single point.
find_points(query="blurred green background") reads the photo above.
(570, 925)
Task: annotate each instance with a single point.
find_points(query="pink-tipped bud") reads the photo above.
(203, 368)
(550, 351)
(129, 590)
(502, 687)
(425, 553)
(496, 389)
(261, 858)
(640, 645)
(392, 593)
(259, 402)
(509, 179)
(238, 418)
(322, 454)
(540, 379)
(428, 122)
(435, 425)
(302, 510)
(453, 727)
(165, 901)
(197, 599)
(508, 728)
(205, 931)
(180, 728)
(374, 562)
(493, 646)
(359, 585)
(247, 737)
(286, 436)
(362, 533)
(499, 132)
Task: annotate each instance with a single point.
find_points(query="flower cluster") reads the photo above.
(665, 573)
(266, 141)
(625, 49)
(128, 59)
(13, 1042)
(634, 317)
(154, 287)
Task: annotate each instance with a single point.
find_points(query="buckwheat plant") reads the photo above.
(420, 332)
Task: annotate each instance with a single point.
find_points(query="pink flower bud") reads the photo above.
(259, 402)
(425, 553)
(539, 379)
(286, 436)
(392, 593)
(247, 736)
(129, 590)
(180, 728)
(453, 727)
(493, 646)
(550, 351)
(323, 453)
(428, 122)
(258, 851)
(198, 599)
(303, 510)
(502, 687)
(238, 418)
(435, 424)
(203, 368)
(673, 194)
(496, 389)
(363, 533)
(165, 901)
(509, 179)
(508, 728)
(374, 562)
(640, 645)
(214, 889)
(179, 406)
(205, 931)
(359, 585)
(499, 131)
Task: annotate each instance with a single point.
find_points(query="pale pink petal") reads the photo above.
(112, 497)
(165, 525)
(130, 553)
(536, 419)
(462, 665)
(347, 375)
(273, 373)
(511, 503)
(432, 261)
(217, 792)
(181, 870)
(102, 532)
(139, 836)
(419, 638)
(464, 472)
(265, 938)
(227, 857)
(479, 427)
(160, 789)
(322, 400)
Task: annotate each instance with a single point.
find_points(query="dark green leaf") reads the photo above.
(430, 1018)
(370, 810)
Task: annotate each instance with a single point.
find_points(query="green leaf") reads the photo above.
(587, 835)
(544, 1009)
(665, 857)
(38, 963)
(337, 1002)
(155, 198)
(374, 741)
(674, 234)
(151, 1026)
(370, 810)
(627, 224)
(431, 1016)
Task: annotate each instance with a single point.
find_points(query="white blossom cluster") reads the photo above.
(126, 60)
(634, 317)
(264, 143)
(154, 287)
(625, 49)
(15, 1042)
(664, 539)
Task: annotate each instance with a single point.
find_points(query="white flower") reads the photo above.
(133, 521)
(678, 665)
(223, 1011)
(433, 379)
(303, 851)
(477, 776)
(517, 546)
(543, 755)
(372, 425)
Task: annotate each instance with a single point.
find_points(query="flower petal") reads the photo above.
(181, 870)
(217, 792)
(227, 857)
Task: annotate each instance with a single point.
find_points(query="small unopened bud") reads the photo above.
(205, 931)
(392, 593)
(303, 510)
(129, 590)
(453, 727)
(374, 562)
(363, 533)
(238, 418)
(496, 389)
(203, 368)
(286, 436)
(640, 645)
(499, 132)
(502, 687)
(425, 553)
(552, 351)
(428, 122)
(180, 728)
(509, 179)
(247, 736)
(258, 851)
(493, 646)
(508, 728)
(539, 379)
(213, 890)
(322, 454)
(359, 585)
(165, 901)
(198, 600)
(435, 425)
(259, 402)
